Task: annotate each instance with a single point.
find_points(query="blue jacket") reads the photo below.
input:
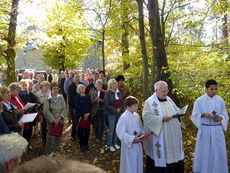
(3, 127)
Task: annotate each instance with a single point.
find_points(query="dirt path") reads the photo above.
(110, 161)
(98, 154)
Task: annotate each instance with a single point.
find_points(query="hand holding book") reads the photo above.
(137, 139)
(181, 113)
(142, 137)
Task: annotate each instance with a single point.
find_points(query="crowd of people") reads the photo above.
(85, 97)
(89, 98)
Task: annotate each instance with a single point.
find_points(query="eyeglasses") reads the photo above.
(55, 88)
(163, 91)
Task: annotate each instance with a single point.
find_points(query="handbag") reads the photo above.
(85, 124)
(117, 103)
(56, 130)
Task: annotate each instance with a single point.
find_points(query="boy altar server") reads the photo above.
(128, 128)
(210, 117)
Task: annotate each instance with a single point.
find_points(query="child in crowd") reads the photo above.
(129, 127)
(83, 108)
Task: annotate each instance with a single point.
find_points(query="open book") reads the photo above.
(181, 113)
(28, 106)
(26, 118)
(145, 135)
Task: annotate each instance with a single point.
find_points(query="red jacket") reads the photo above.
(14, 100)
(20, 106)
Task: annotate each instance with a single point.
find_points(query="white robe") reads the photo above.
(172, 136)
(210, 151)
(131, 160)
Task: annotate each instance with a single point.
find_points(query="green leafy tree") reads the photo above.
(67, 39)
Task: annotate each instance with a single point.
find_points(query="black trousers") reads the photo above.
(65, 96)
(170, 168)
(27, 134)
(44, 130)
(83, 135)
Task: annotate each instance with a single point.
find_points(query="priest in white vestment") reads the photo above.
(210, 117)
(129, 127)
(164, 149)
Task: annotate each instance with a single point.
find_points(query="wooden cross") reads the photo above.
(156, 111)
(214, 113)
(158, 150)
(155, 104)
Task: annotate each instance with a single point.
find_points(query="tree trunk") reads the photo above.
(103, 49)
(143, 49)
(159, 47)
(11, 49)
(62, 63)
(63, 53)
(125, 34)
(153, 38)
(225, 31)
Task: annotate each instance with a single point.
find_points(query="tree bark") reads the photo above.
(11, 49)
(143, 49)
(125, 34)
(158, 45)
(62, 46)
(153, 38)
(225, 31)
(103, 48)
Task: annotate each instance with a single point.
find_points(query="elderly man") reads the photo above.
(46, 74)
(164, 149)
(72, 93)
(37, 87)
(55, 77)
(68, 82)
(12, 146)
(56, 164)
(92, 86)
(18, 76)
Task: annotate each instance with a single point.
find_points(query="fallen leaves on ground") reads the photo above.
(100, 156)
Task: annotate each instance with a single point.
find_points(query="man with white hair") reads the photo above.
(55, 77)
(12, 146)
(36, 86)
(164, 149)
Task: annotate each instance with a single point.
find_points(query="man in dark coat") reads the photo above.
(72, 92)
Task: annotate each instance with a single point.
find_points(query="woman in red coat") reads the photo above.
(14, 91)
(15, 88)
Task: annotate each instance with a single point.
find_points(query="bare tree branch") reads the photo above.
(134, 29)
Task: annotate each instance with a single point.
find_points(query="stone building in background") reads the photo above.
(31, 58)
(94, 58)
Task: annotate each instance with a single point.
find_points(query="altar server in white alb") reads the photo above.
(211, 118)
(164, 149)
(129, 127)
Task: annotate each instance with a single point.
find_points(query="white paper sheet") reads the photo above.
(26, 118)
(28, 106)
(184, 109)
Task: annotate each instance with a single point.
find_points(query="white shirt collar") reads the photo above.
(210, 98)
(50, 96)
(130, 113)
(7, 105)
(116, 95)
